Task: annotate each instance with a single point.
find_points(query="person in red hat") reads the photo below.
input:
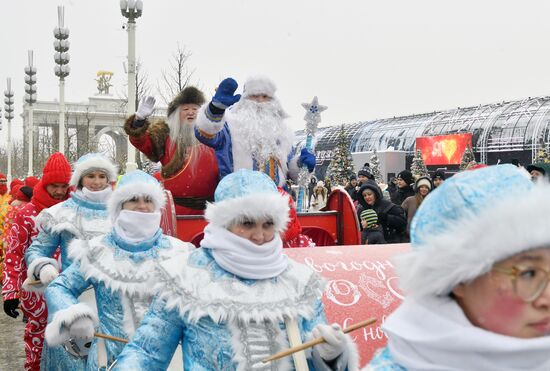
(52, 189)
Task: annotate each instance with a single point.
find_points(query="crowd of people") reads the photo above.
(101, 286)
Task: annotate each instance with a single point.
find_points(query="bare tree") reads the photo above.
(177, 76)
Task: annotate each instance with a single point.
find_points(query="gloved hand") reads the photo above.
(307, 159)
(82, 329)
(225, 94)
(335, 341)
(10, 307)
(145, 108)
(47, 274)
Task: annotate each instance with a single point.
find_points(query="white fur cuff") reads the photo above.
(33, 271)
(206, 125)
(57, 331)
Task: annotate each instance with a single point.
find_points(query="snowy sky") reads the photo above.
(364, 59)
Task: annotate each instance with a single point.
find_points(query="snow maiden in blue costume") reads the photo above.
(83, 215)
(231, 301)
(119, 265)
(476, 280)
(251, 134)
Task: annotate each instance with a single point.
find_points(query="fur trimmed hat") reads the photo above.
(259, 85)
(135, 184)
(189, 95)
(93, 162)
(423, 181)
(56, 170)
(472, 221)
(247, 194)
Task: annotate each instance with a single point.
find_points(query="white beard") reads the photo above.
(181, 133)
(258, 132)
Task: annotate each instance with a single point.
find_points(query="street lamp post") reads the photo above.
(62, 69)
(132, 10)
(8, 114)
(30, 98)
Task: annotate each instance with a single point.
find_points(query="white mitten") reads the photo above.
(145, 108)
(335, 341)
(82, 329)
(47, 274)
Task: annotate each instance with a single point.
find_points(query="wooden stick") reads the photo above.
(35, 282)
(109, 337)
(316, 341)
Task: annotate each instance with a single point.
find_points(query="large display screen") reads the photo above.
(443, 149)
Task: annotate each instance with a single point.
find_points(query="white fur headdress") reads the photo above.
(470, 222)
(135, 184)
(247, 194)
(93, 162)
(259, 85)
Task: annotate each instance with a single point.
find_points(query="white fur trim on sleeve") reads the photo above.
(293, 169)
(204, 124)
(34, 268)
(57, 331)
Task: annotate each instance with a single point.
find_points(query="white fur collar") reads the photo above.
(105, 262)
(200, 288)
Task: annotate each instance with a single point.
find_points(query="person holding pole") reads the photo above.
(238, 299)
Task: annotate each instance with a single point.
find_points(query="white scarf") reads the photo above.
(242, 257)
(436, 335)
(135, 226)
(95, 196)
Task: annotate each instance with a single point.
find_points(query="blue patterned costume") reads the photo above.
(226, 322)
(58, 226)
(122, 276)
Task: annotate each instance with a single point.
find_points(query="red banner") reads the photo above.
(361, 285)
(443, 149)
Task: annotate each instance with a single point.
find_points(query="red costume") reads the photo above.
(293, 236)
(19, 237)
(191, 177)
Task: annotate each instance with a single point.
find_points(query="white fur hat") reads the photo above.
(135, 184)
(93, 162)
(247, 194)
(470, 222)
(259, 85)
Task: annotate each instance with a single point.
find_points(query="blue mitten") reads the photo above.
(307, 159)
(225, 94)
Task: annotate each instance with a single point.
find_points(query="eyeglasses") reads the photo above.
(529, 283)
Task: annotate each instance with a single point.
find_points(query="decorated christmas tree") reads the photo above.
(467, 158)
(418, 168)
(375, 168)
(340, 168)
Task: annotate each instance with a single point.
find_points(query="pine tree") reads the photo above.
(340, 168)
(467, 158)
(418, 168)
(375, 168)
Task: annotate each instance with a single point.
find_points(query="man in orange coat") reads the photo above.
(189, 168)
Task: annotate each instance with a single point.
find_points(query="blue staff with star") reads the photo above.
(312, 118)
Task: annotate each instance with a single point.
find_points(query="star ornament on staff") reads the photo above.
(312, 118)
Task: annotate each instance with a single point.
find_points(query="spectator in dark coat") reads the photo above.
(405, 181)
(438, 178)
(392, 189)
(351, 186)
(391, 217)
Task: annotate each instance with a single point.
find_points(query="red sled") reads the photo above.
(336, 224)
